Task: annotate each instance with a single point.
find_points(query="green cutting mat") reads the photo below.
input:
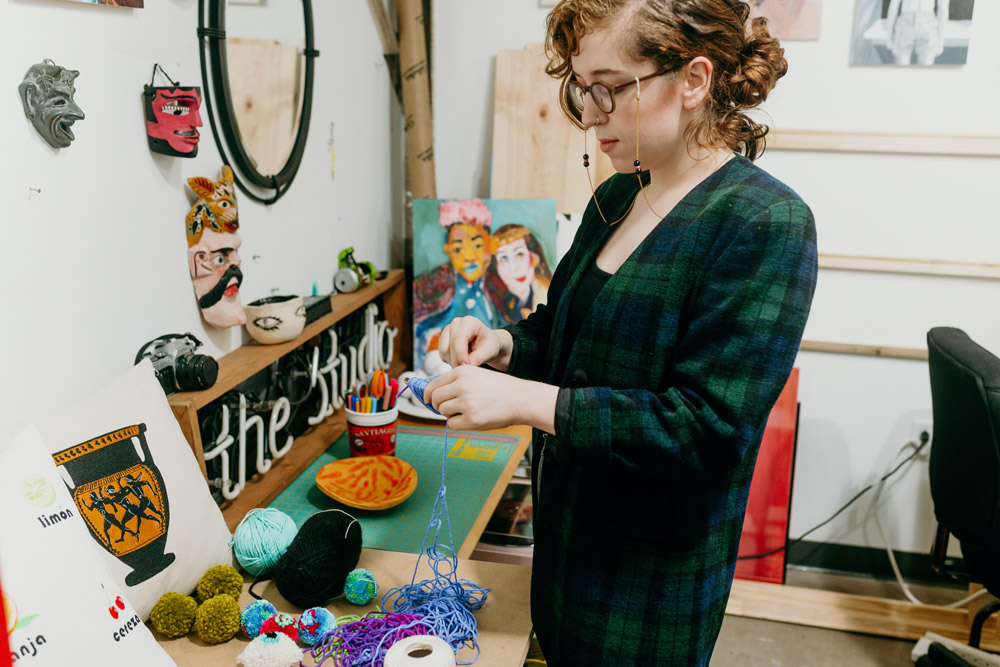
(475, 461)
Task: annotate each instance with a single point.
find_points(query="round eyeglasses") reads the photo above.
(603, 94)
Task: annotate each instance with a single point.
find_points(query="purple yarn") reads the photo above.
(365, 642)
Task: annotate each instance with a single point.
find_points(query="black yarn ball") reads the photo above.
(317, 562)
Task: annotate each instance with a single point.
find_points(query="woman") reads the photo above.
(671, 327)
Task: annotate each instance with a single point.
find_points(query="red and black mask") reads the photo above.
(172, 120)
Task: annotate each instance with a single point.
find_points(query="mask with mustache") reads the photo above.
(47, 97)
(213, 250)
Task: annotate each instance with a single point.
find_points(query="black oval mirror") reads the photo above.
(270, 180)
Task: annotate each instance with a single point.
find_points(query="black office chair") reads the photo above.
(965, 459)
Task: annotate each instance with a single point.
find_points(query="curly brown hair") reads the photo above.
(747, 60)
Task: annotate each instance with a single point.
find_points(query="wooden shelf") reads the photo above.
(244, 362)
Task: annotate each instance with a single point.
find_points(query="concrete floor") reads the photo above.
(748, 642)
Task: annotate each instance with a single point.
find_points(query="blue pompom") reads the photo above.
(254, 614)
(360, 587)
(314, 623)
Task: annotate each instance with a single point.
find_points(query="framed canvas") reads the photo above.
(912, 32)
(138, 4)
(489, 258)
(790, 19)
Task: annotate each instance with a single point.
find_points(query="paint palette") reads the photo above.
(368, 482)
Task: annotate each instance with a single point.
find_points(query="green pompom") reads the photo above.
(218, 619)
(220, 580)
(360, 588)
(173, 614)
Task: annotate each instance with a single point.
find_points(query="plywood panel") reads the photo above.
(537, 152)
(266, 77)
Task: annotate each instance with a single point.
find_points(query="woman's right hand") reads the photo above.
(467, 341)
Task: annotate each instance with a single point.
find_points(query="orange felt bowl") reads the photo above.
(368, 482)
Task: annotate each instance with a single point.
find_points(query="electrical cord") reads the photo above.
(917, 448)
(924, 439)
(892, 556)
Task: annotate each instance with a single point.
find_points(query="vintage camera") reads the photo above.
(177, 367)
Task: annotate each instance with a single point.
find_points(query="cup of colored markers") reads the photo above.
(371, 416)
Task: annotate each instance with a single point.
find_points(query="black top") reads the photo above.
(584, 296)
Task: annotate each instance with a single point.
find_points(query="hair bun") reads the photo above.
(761, 63)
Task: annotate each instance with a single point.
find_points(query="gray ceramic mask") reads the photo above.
(47, 95)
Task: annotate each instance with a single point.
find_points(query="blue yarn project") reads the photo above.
(446, 602)
(416, 386)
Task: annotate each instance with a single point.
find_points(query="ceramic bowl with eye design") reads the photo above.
(275, 319)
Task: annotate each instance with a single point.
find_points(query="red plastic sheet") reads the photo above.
(766, 524)
(4, 643)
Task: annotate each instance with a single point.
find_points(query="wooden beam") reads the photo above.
(850, 613)
(923, 267)
(875, 142)
(914, 354)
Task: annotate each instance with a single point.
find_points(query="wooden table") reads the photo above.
(504, 621)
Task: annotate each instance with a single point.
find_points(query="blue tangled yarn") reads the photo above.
(445, 602)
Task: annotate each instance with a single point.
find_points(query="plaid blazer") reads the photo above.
(640, 494)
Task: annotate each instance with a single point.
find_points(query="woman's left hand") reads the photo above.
(479, 399)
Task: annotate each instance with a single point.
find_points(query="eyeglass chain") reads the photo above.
(636, 164)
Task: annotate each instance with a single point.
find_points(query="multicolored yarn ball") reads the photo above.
(218, 619)
(261, 539)
(173, 614)
(270, 650)
(254, 614)
(283, 623)
(314, 623)
(315, 566)
(220, 580)
(360, 587)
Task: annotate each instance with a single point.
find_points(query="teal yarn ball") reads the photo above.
(314, 623)
(262, 538)
(360, 587)
(253, 616)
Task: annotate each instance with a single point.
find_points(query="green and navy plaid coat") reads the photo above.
(640, 495)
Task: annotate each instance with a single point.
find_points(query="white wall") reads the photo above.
(95, 264)
(856, 411)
